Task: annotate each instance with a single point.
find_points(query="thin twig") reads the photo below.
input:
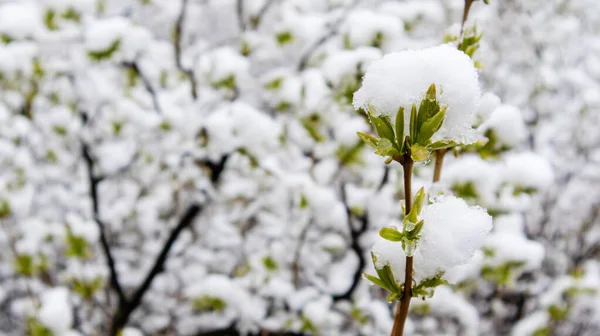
(93, 182)
(125, 310)
(177, 46)
(355, 234)
(147, 85)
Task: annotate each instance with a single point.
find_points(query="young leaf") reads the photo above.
(400, 127)
(384, 128)
(387, 277)
(442, 144)
(414, 233)
(413, 122)
(377, 281)
(385, 148)
(429, 106)
(391, 234)
(368, 139)
(418, 202)
(418, 153)
(431, 126)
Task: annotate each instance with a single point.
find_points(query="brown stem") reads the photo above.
(466, 10)
(404, 304)
(439, 162)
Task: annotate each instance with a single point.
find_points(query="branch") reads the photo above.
(127, 307)
(125, 310)
(94, 181)
(135, 67)
(296, 262)
(355, 235)
(177, 45)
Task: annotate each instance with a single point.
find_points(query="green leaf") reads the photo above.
(274, 84)
(24, 265)
(418, 202)
(385, 148)
(49, 19)
(270, 263)
(414, 233)
(386, 275)
(419, 153)
(429, 106)
(4, 208)
(391, 234)
(394, 296)
(400, 127)
(413, 122)
(368, 139)
(383, 126)
(284, 37)
(430, 126)
(376, 281)
(207, 303)
(442, 144)
(99, 55)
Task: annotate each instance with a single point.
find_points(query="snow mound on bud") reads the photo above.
(453, 231)
(401, 79)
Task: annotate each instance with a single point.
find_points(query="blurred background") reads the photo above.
(191, 167)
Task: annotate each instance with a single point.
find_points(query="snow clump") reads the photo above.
(401, 79)
(453, 231)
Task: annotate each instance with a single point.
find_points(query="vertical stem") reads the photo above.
(466, 10)
(439, 162)
(404, 303)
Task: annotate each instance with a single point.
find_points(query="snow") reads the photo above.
(222, 63)
(101, 34)
(527, 170)
(80, 228)
(55, 311)
(507, 124)
(488, 104)
(363, 26)
(348, 63)
(452, 233)
(509, 247)
(401, 79)
(447, 303)
(20, 20)
(483, 176)
(528, 325)
(239, 303)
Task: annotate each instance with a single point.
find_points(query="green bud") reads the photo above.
(400, 127)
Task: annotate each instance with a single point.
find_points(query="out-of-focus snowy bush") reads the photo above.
(189, 166)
